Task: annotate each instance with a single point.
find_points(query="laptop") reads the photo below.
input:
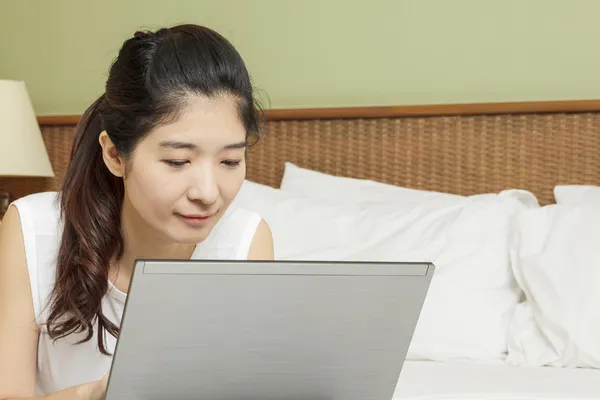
(268, 330)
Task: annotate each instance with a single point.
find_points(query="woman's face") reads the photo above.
(182, 176)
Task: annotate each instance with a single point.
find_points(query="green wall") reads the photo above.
(320, 53)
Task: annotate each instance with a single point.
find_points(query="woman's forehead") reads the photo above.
(203, 122)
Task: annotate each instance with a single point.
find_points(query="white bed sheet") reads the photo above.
(422, 380)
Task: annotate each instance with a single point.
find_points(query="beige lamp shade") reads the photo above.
(22, 149)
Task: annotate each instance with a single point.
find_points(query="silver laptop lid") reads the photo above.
(266, 330)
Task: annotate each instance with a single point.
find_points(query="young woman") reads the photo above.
(156, 162)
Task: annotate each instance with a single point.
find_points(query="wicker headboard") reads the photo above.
(463, 149)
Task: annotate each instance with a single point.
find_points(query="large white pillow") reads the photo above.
(473, 293)
(557, 263)
(577, 194)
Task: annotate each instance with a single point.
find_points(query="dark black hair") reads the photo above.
(149, 83)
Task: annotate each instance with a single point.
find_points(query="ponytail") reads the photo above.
(90, 206)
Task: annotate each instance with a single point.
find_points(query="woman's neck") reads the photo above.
(141, 241)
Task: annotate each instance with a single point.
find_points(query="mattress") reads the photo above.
(422, 380)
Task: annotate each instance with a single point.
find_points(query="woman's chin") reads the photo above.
(189, 238)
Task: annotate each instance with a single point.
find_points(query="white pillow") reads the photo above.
(311, 183)
(577, 194)
(557, 263)
(473, 293)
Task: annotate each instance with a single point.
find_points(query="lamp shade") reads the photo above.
(22, 149)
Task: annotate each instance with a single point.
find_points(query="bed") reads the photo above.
(524, 150)
(422, 380)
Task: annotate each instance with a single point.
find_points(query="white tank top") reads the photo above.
(63, 363)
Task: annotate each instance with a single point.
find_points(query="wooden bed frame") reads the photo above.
(463, 149)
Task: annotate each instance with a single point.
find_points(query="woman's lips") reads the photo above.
(195, 219)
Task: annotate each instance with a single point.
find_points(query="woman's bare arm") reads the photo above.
(18, 330)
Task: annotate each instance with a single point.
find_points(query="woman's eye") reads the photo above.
(175, 163)
(232, 163)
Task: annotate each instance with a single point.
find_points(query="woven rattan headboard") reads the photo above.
(461, 149)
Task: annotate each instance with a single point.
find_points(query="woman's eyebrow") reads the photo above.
(187, 145)
(238, 145)
(177, 145)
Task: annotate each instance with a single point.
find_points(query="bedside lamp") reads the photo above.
(22, 149)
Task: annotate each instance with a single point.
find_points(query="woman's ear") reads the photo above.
(110, 155)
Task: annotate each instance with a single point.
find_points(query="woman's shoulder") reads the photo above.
(255, 236)
(39, 212)
(233, 234)
(43, 201)
(238, 223)
(39, 215)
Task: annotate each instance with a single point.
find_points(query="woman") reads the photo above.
(156, 162)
